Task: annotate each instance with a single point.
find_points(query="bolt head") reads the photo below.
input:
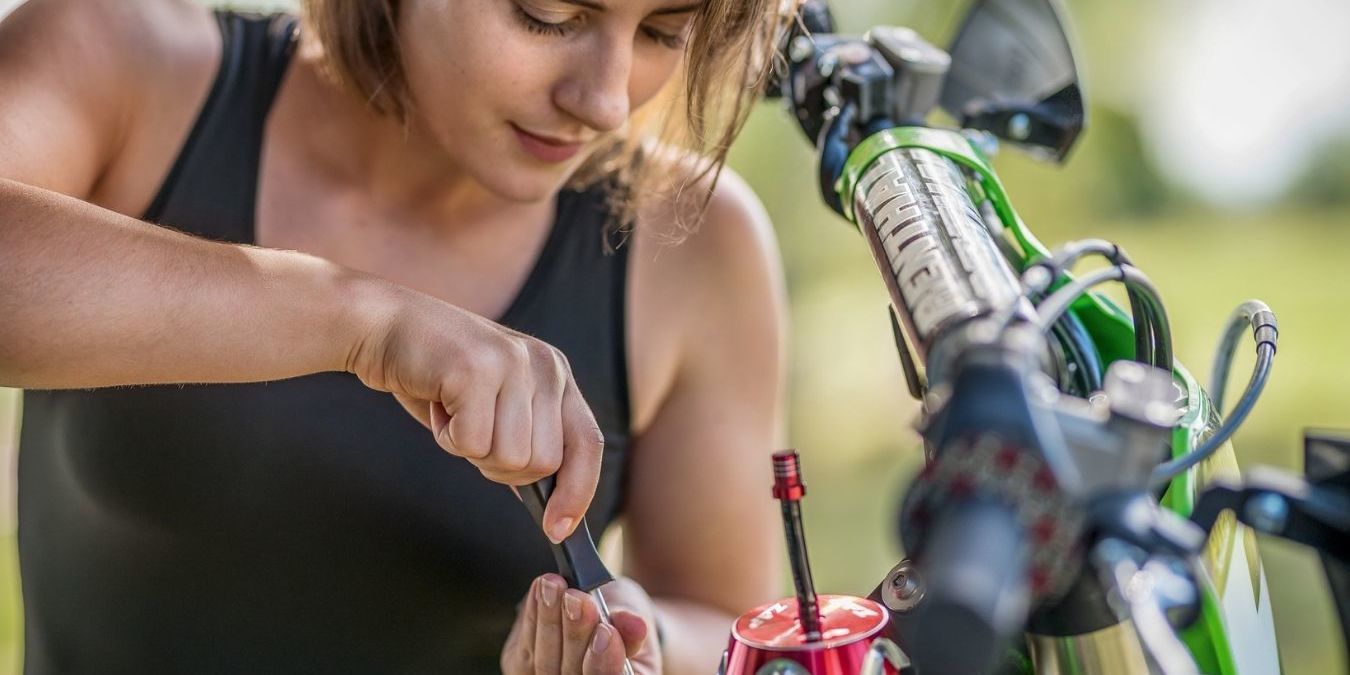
(902, 590)
(1037, 278)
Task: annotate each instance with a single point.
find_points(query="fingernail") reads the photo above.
(572, 606)
(561, 529)
(601, 639)
(549, 592)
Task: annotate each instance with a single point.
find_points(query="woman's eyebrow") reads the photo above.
(681, 9)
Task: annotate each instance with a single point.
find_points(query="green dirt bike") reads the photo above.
(1081, 509)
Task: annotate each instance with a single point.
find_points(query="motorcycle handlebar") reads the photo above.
(975, 563)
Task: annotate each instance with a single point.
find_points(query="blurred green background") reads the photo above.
(1217, 154)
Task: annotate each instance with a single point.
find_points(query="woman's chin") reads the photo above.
(526, 184)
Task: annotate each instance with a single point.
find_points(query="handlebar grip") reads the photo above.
(975, 564)
(577, 558)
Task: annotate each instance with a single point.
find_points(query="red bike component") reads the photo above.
(787, 476)
(770, 639)
(789, 489)
(808, 634)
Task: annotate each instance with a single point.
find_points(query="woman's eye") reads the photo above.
(541, 27)
(667, 40)
(534, 24)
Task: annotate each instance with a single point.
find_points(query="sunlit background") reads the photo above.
(1218, 155)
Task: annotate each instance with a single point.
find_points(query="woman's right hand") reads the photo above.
(500, 399)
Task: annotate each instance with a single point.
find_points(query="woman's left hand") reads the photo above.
(558, 630)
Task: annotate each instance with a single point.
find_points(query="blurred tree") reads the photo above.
(1326, 182)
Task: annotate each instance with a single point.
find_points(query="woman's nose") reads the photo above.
(595, 89)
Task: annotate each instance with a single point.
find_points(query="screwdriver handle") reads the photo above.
(578, 560)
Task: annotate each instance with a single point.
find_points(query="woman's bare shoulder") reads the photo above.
(87, 71)
(100, 34)
(697, 290)
(730, 240)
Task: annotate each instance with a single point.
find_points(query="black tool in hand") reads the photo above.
(578, 560)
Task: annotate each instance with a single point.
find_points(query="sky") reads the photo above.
(1237, 95)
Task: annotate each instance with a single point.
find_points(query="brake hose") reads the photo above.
(1148, 306)
(1266, 332)
(1147, 346)
(1079, 350)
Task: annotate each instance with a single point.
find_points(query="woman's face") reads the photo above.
(517, 92)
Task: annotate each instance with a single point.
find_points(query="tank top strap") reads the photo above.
(212, 186)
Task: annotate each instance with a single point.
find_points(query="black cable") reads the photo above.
(1161, 326)
(1058, 302)
(1145, 340)
(1055, 304)
(1143, 295)
(1075, 346)
(1167, 471)
(1265, 331)
(1067, 374)
(1078, 349)
(1146, 346)
(1252, 313)
(1072, 252)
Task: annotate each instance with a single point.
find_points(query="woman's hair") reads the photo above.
(686, 133)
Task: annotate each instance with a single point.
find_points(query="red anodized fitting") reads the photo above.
(787, 476)
(806, 634)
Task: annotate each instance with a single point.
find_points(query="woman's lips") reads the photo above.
(546, 148)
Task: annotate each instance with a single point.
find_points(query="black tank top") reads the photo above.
(302, 526)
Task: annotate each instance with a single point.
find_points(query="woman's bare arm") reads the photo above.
(92, 298)
(703, 538)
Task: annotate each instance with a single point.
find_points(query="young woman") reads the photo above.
(438, 199)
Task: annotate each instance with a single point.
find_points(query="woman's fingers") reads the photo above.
(632, 630)
(418, 408)
(605, 654)
(558, 631)
(512, 435)
(548, 643)
(580, 618)
(485, 386)
(583, 445)
(518, 651)
(546, 444)
(469, 431)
